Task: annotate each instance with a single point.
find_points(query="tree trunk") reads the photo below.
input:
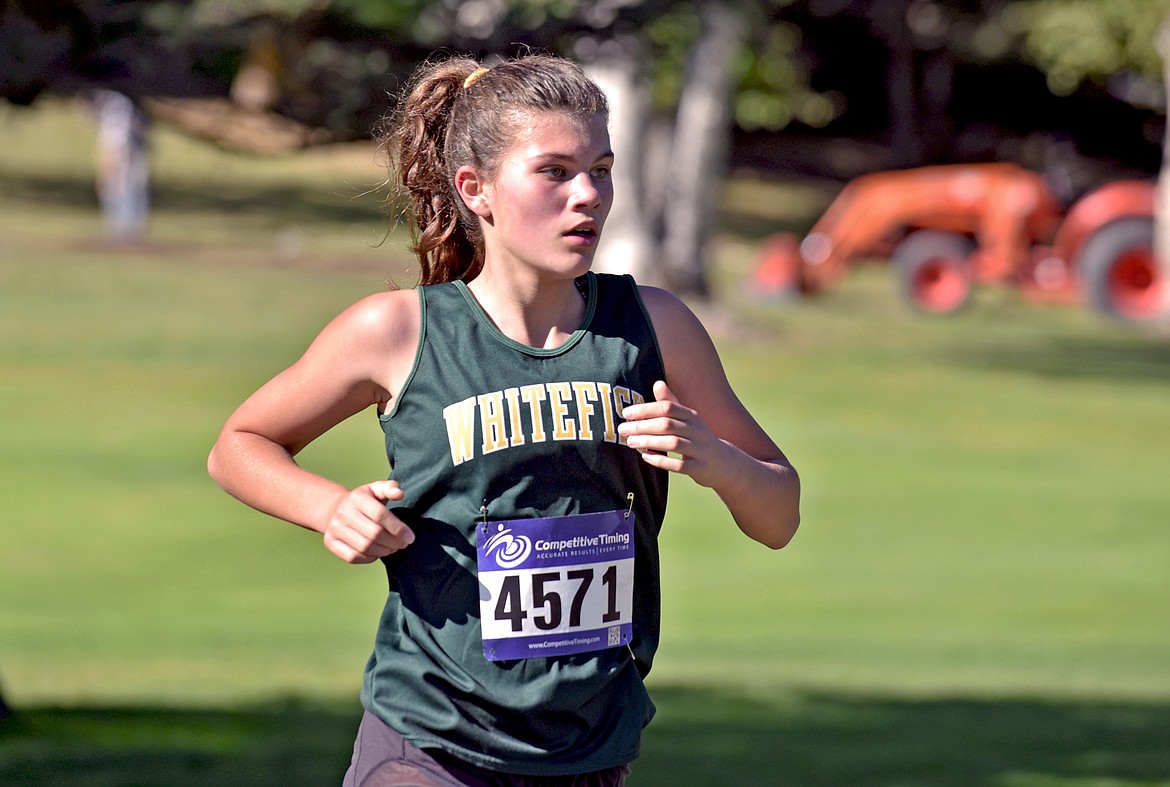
(256, 86)
(938, 136)
(889, 22)
(123, 171)
(627, 245)
(700, 149)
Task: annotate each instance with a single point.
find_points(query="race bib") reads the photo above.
(556, 586)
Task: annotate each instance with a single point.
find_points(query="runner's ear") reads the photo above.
(472, 189)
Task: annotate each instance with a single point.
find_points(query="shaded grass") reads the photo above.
(702, 736)
(834, 739)
(280, 743)
(977, 595)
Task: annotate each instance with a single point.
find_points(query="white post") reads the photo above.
(123, 166)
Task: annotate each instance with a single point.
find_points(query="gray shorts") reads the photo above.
(383, 758)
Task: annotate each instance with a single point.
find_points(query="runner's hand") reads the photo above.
(672, 436)
(362, 529)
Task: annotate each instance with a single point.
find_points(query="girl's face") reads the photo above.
(551, 194)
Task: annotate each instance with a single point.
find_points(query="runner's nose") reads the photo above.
(585, 191)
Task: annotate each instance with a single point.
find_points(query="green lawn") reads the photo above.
(980, 593)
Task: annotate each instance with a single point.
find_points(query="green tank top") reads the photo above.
(486, 423)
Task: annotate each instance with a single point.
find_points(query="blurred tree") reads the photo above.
(699, 147)
(897, 79)
(328, 64)
(272, 75)
(1077, 41)
(105, 51)
(72, 46)
(928, 81)
(629, 242)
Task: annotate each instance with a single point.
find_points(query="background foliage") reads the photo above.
(792, 71)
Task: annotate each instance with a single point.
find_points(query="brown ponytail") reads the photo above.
(442, 125)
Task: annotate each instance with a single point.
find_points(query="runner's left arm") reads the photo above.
(697, 426)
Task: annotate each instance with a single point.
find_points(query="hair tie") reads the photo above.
(476, 74)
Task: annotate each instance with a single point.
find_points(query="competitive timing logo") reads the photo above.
(510, 550)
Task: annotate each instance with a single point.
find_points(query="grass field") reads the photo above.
(979, 595)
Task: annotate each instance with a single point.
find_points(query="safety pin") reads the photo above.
(483, 511)
(630, 510)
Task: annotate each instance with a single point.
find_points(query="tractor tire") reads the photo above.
(1119, 272)
(934, 270)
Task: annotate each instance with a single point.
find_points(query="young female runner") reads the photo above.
(532, 412)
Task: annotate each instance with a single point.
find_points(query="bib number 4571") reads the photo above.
(550, 589)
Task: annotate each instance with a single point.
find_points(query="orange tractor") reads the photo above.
(949, 228)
